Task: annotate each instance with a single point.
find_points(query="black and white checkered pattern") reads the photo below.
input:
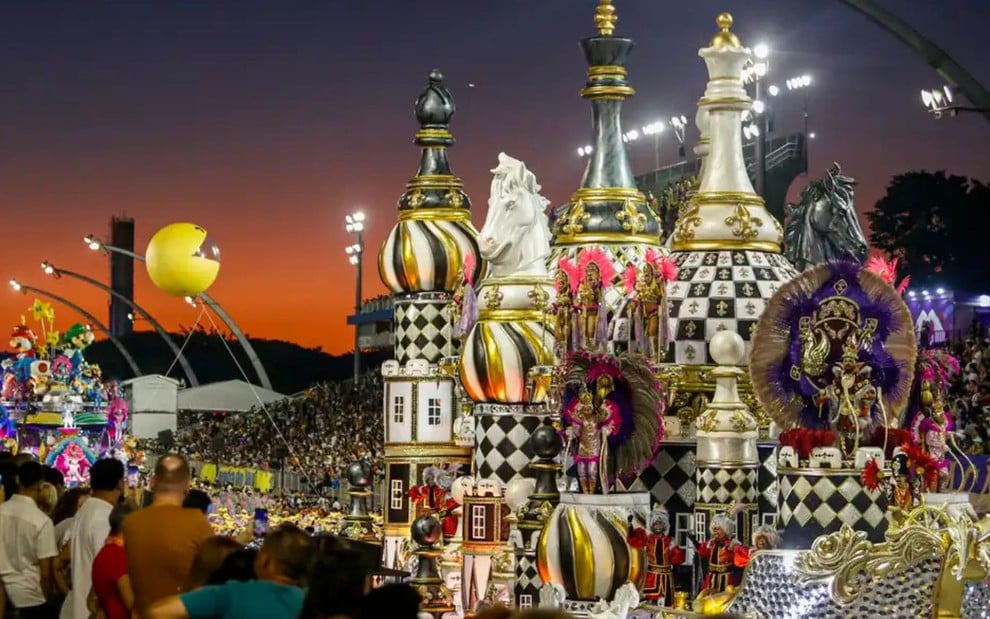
(767, 479)
(528, 580)
(813, 505)
(501, 444)
(422, 328)
(670, 478)
(727, 484)
(717, 291)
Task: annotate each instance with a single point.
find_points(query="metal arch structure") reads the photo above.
(186, 368)
(948, 69)
(24, 289)
(259, 368)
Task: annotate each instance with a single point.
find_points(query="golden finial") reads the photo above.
(725, 38)
(605, 18)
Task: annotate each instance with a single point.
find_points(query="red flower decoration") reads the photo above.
(637, 538)
(872, 475)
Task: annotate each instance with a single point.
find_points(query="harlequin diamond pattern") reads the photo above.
(502, 448)
(670, 478)
(814, 505)
(717, 291)
(528, 580)
(422, 330)
(767, 479)
(722, 485)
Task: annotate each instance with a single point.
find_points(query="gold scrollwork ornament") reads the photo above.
(573, 222)
(493, 298)
(851, 563)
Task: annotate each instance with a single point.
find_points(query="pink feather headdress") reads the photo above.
(597, 256)
(572, 271)
(665, 266)
(629, 279)
(887, 270)
(470, 261)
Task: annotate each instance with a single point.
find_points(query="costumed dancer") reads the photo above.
(764, 538)
(932, 427)
(597, 274)
(719, 552)
(464, 308)
(590, 429)
(662, 554)
(851, 398)
(566, 281)
(647, 286)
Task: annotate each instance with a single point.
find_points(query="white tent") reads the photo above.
(225, 396)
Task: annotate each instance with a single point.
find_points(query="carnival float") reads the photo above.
(56, 405)
(589, 412)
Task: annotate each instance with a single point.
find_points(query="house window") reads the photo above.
(478, 521)
(525, 601)
(700, 528)
(433, 411)
(399, 409)
(395, 497)
(682, 529)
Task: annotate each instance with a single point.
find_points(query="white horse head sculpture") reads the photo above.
(515, 239)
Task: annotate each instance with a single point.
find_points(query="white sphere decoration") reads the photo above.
(459, 487)
(727, 348)
(517, 492)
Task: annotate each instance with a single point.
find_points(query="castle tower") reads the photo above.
(728, 245)
(607, 210)
(486, 530)
(421, 262)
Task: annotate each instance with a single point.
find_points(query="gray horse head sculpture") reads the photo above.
(823, 225)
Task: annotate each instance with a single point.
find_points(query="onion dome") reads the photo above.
(608, 208)
(427, 249)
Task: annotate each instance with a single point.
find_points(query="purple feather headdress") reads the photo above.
(786, 391)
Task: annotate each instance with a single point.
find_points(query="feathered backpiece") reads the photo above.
(934, 373)
(831, 303)
(629, 279)
(572, 271)
(635, 403)
(887, 270)
(665, 266)
(597, 256)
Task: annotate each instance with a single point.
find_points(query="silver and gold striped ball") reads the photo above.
(497, 355)
(428, 255)
(585, 550)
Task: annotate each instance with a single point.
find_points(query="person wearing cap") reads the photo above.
(280, 566)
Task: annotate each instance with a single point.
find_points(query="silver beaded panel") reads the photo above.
(771, 591)
(976, 601)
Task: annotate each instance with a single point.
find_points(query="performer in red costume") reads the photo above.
(662, 554)
(764, 538)
(719, 552)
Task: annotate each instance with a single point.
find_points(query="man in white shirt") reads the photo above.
(91, 528)
(27, 547)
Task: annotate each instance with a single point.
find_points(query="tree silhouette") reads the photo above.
(935, 224)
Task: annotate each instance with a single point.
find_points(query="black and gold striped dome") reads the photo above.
(427, 249)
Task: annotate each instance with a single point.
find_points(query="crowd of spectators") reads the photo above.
(970, 397)
(325, 429)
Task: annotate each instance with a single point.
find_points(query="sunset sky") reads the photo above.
(267, 122)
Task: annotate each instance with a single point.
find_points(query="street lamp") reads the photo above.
(754, 74)
(679, 124)
(51, 270)
(17, 286)
(95, 244)
(355, 225)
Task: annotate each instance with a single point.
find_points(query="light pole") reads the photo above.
(95, 244)
(17, 286)
(49, 269)
(355, 225)
(679, 123)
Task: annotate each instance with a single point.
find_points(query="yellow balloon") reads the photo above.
(177, 262)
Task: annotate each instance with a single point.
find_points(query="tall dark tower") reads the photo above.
(121, 275)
